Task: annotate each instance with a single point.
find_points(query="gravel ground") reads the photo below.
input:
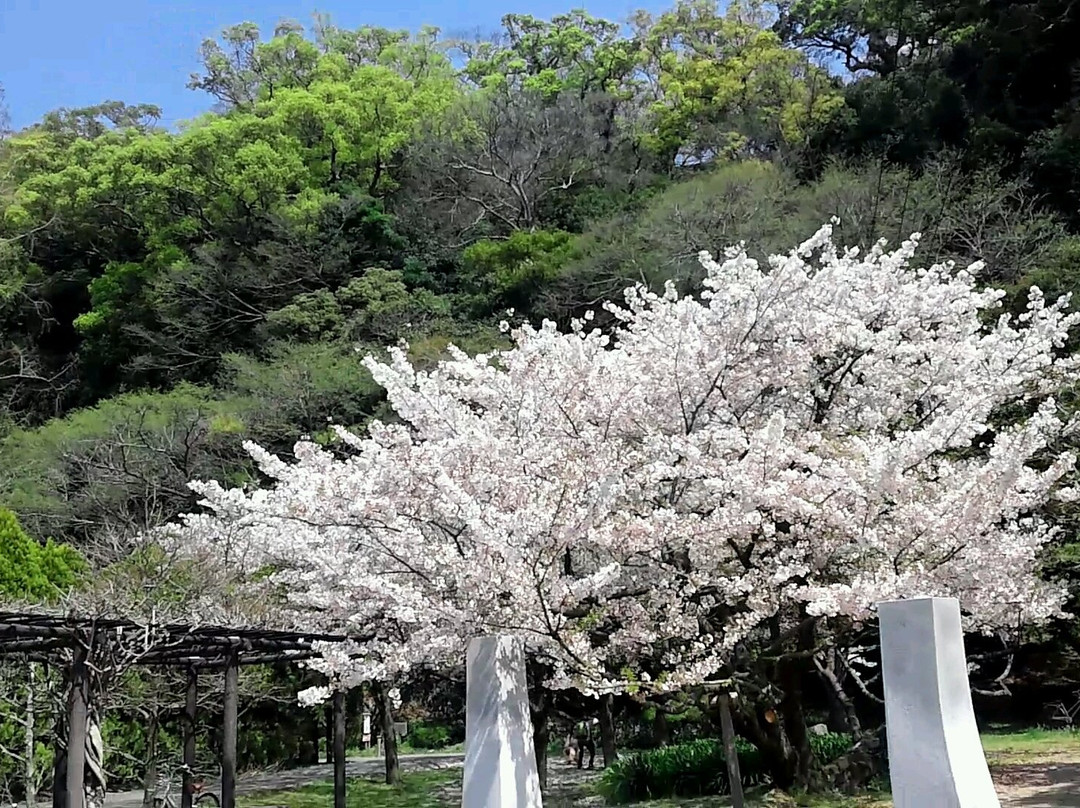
(1044, 785)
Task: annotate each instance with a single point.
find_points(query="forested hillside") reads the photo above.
(167, 295)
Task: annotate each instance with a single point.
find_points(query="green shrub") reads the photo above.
(697, 768)
(428, 736)
(691, 769)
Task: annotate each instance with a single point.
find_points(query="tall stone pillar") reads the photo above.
(500, 762)
(935, 754)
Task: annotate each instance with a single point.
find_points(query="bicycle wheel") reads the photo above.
(210, 798)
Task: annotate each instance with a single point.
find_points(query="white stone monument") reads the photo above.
(500, 762)
(935, 755)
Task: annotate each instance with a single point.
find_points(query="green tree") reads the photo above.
(513, 273)
(97, 475)
(32, 572)
(240, 69)
(880, 36)
(728, 86)
(962, 217)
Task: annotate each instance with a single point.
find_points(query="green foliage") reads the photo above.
(300, 389)
(423, 735)
(692, 769)
(114, 465)
(829, 747)
(23, 684)
(961, 216)
(1057, 273)
(32, 572)
(308, 316)
(513, 272)
(730, 86)
(380, 307)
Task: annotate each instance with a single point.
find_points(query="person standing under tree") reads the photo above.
(584, 734)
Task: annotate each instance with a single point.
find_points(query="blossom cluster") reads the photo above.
(823, 432)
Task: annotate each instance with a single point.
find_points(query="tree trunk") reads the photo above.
(330, 734)
(386, 719)
(791, 707)
(337, 747)
(792, 671)
(191, 717)
(30, 738)
(607, 729)
(842, 714)
(661, 732)
(769, 738)
(541, 725)
(731, 755)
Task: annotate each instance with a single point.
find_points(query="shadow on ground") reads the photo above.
(1043, 785)
(260, 782)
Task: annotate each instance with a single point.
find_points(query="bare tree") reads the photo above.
(492, 165)
(29, 692)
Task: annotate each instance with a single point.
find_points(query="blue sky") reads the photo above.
(72, 53)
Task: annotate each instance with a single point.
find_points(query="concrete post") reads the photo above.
(935, 755)
(500, 762)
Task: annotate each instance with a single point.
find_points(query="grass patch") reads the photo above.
(861, 801)
(406, 749)
(436, 789)
(1031, 746)
(417, 790)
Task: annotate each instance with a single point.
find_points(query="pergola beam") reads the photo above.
(50, 637)
(167, 644)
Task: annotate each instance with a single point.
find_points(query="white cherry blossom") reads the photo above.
(823, 432)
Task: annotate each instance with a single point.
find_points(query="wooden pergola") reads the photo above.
(193, 648)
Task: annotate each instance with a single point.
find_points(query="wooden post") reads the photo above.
(339, 749)
(731, 755)
(190, 716)
(78, 715)
(228, 745)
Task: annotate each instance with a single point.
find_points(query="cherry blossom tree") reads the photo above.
(741, 473)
